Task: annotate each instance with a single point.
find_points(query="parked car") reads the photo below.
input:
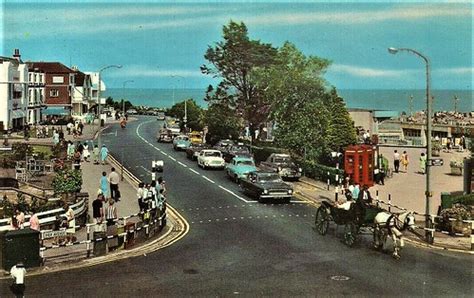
(181, 142)
(266, 185)
(210, 158)
(222, 144)
(282, 164)
(195, 137)
(160, 116)
(239, 167)
(232, 151)
(193, 150)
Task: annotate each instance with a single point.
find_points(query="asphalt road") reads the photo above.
(237, 246)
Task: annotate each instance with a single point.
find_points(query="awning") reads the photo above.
(18, 114)
(61, 111)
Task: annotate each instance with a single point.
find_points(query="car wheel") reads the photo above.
(236, 179)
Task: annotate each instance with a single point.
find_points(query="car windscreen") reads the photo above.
(282, 160)
(216, 154)
(269, 178)
(245, 163)
(240, 149)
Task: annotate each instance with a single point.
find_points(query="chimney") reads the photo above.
(16, 54)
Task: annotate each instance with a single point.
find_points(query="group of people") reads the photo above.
(400, 159)
(75, 128)
(42, 131)
(17, 221)
(80, 152)
(353, 192)
(151, 195)
(108, 192)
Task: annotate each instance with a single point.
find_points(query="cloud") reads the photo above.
(359, 17)
(146, 71)
(366, 72)
(456, 71)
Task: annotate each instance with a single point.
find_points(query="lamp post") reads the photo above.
(429, 112)
(123, 92)
(99, 143)
(185, 118)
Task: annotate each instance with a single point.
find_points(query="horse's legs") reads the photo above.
(396, 248)
(377, 237)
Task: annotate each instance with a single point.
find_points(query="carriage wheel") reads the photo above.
(322, 220)
(350, 234)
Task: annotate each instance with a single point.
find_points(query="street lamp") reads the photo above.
(185, 119)
(99, 143)
(429, 112)
(123, 92)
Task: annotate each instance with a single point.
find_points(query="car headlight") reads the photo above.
(290, 191)
(279, 169)
(265, 191)
(300, 170)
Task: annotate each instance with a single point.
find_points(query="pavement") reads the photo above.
(75, 256)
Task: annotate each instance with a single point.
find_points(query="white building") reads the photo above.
(13, 92)
(81, 94)
(94, 76)
(36, 89)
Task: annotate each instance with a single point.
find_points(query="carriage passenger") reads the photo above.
(345, 202)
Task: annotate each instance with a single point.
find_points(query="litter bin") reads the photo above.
(100, 247)
(20, 246)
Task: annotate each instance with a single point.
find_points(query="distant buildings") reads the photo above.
(32, 92)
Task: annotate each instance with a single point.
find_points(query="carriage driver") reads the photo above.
(364, 196)
(346, 201)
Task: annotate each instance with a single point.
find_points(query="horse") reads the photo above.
(388, 224)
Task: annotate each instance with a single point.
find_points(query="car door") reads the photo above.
(245, 183)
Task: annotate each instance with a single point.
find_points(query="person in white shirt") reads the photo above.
(140, 192)
(18, 273)
(114, 179)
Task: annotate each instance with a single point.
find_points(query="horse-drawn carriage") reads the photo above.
(359, 215)
(385, 224)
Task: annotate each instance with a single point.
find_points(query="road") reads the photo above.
(237, 246)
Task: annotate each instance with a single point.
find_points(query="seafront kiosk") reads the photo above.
(359, 164)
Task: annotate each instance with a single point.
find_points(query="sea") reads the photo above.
(389, 100)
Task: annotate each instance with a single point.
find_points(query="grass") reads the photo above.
(39, 149)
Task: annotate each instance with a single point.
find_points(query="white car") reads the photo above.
(210, 158)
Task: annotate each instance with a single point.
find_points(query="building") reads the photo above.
(81, 95)
(36, 92)
(13, 92)
(58, 89)
(94, 90)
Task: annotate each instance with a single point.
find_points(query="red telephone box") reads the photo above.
(359, 164)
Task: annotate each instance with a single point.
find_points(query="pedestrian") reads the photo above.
(13, 223)
(80, 127)
(95, 154)
(140, 195)
(34, 222)
(70, 150)
(114, 180)
(55, 137)
(18, 273)
(356, 191)
(98, 209)
(449, 144)
(111, 213)
(61, 134)
(86, 152)
(80, 148)
(69, 127)
(103, 154)
(422, 163)
(20, 218)
(405, 161)
(396, 161)
(367, 137)
(161, 184)
(365, 196)
(77, 160)
(71, 224)
(104, 185)
(382, 176)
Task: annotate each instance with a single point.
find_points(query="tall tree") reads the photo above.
(222, 122)
(233, 60)
(294, 88)
(194, 114)
(341, 131)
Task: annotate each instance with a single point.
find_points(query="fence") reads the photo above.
(100, 239)
(430, 228)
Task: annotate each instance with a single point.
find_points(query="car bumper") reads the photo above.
(276, 196)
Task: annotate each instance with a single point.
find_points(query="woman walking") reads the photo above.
(405, 161)
(103, 154)
(86, 153)
(104, 184)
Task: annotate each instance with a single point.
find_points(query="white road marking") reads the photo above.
(208, 179)
(172, 158)
(148, 171)
(182, 164)
(194, 171)
(234, 194)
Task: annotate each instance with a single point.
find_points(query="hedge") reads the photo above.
(262, 153)
(449, 199)
(320, 172)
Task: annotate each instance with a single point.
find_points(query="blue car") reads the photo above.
(181, 142)
(239, 167)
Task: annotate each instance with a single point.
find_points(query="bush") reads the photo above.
(320, 172)
(262, 153)
(67, 182)
(448, 200)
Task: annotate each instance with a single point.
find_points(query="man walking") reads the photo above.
(98, 209)
(114, 179)
(111, 214)
(396, 161)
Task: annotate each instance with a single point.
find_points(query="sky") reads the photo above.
(162, 45)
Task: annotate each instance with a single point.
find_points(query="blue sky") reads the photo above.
(154, 40)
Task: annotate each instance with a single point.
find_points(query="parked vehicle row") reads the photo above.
(239, 165)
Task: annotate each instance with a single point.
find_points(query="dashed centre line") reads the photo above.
(208, 179)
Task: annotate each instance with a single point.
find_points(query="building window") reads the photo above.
(58, 79)
(29, 77)
(54, 92)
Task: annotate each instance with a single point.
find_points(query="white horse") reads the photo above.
(388, 224)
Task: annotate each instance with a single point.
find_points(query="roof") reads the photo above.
(9, 59)
(50, 67)
(80, 77)
(386, 114)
